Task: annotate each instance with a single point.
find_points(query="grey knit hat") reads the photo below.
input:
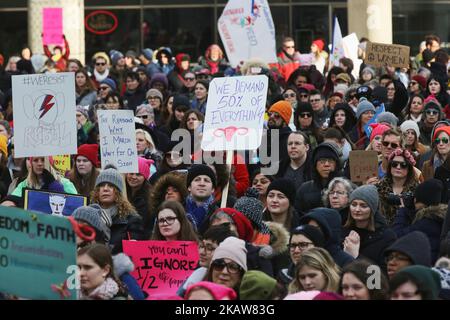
(154, 93)
(387, 117)
(234, 249)
(363, 106)
(252, 208)
(112, 176)
(367, 193)
(90, 215)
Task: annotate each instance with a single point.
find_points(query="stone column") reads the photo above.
(371, 19)
(73, 24)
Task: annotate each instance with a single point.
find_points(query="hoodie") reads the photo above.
(415, 245)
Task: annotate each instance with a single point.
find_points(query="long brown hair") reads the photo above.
(124, 207)
(88, 86)
(77, 179)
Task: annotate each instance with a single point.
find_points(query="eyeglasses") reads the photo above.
(152, 98)
(289, 47)
(220, 264)
(431, 112)
(303, 96)
(289, 95)
(189, 79)
(301, 245)
(274, 114)
(169, 220)
(443, 140)
(314, 100)
(338, 193)
(398, 257)
(103, 88)
(145, 116)
(100, 64)
(392, 144)
(305, 115)
(325, 160)
(207, 247)
(396, 164)
(412, 83)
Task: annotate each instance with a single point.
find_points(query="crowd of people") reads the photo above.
(306, 232)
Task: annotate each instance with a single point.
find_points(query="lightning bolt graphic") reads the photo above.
(46, 105)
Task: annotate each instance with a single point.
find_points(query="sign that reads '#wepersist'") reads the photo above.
(235, 113)
(391, 55)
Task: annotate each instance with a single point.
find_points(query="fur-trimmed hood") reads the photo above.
(432, 212)
(122, 264)
(279, 237)
(173, 178)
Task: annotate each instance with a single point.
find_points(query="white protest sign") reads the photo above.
(350, 44)
(235, 113)
(44, 114)
(247, 31)
(118, 139)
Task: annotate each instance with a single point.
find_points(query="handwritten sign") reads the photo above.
(52, 21)
(235, 113)
(44, 114)
(37, 253)
(161, 267)
(363, 165)
(55, 203)
(393, 55)
(118, 139)
(62, 164)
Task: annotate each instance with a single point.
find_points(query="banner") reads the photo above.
(161, 267)
(350, 44)
(52, 22)
(54, 203)
(44, 114)
(37, 255)
(247, 31)
(235, 113)
(392, 55)
(62, 164)
(338, 50)
(118, 139)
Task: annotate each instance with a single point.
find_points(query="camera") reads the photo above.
(394, 199)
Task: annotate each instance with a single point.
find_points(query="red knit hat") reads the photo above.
(243, 225)
(144, 167)
(377, 130)
(89, 151)
(319, 43)
(420, 79)
(446, 129)
(218, 291)
(284, 109)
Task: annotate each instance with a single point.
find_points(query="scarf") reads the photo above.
(416, 119)
(195, 213)
(437, 161)
(106, 291)
(100, 77)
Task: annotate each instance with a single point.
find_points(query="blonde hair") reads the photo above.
(33, 180)
(147, 137)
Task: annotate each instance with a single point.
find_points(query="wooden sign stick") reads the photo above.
(229, 161)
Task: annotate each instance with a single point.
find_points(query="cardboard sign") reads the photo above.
(44, 114)
(363, 165)
(247, 31)
(235, 113)
(37, 255)
(161, 267)
(393, 55)
(62, 164)
(52, 21)
(118, 139)
(54, 203)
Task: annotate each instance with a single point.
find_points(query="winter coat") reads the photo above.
(123, 266)
(256, 262)
(443, 173)
(140, 200)
(5, 182)
(288, 64)
(359, 138)
(279, 239)
(133, 99)
(429, 220)
(286, 275)
(49, 184)
(86, 98)
(414, 245)
(307, 170)
(199, 106)
(292, 220)
(129, 227)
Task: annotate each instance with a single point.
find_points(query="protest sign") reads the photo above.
(247, 31)
(62, 164)
(235, 113)
(54, 203)
(44, 114)
(161, 267)
(37, 255)
(363, 165)
(350, 44)
(118, 139)
(392, 55)
(52, 22)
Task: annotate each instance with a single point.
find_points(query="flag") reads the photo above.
(338, 49)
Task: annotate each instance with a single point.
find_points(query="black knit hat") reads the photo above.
(325, 151)
(312, 233)
(429, 192)
(198, 170)
(285, 186)
(415, 245)
(180, 100)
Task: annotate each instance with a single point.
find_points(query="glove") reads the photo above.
(266, 252)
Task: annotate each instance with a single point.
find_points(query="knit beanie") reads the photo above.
(110, 83)
(284, 109)
(198, 170)
(234, 249)
(325, 151)
(256, 285)
(302, 295)
(328, 296)
(379, 95)
(147, 53)
(370, 70)
(90, 151)
(159, 77)
(144, 166)
(312, 233)
(252, 208)
(180, 100)
(367, 193)
(426, 280)
(420, 79)
(154, 93)
(410, 125)
(319, 43)
(4, 145)
(91, 215)
(83, 111)
(429, 192)
(304, 107)
(388, 117)
(445, 129)
(218, 291)
(243, 225)
(364, 91)
(112, 176)
(286, 186)
(364, 105)
(115, 56)
(377, 130)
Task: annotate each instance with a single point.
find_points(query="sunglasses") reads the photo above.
(412, 83)
(220, 264)
(100, 64)
(303, 96)
(301, 245)
(443, 140)
(275, 115)
(103, 88)
(145, 116)
(189, 79)
(396, 164)
(305, 115)
(314, 100)
(152, 98)
(289, 47)
(431, 112)
(392, 144)
(289, 95)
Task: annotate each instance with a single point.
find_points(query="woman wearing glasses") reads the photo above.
(438, 165)
(437, 88)
(337, 195)
(432, 113)
(304, 121)
(414, 109)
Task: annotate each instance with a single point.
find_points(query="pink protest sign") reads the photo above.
(52, 21)
(161, 267)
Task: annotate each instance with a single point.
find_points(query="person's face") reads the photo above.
(395, 262)
(304, 97)
(168, 223)
(317, 102)
(339, 118)
(154, 102)
(305, 119)
(224, 276)
(141, 143)
(121, 62)
(159, 86)
(146, 117)
(201, 187)
(325, 167)
(434, 46)
(333, 101)
(189, 80)
(260, 182)
(301, 81)
(338, 196)
(206, 248)
(414, 86)
(215, 54)
(3, 131)
(353, 288)
(179, 115)
(200, 91)
(38, 165)
(84, 166)
(296, 146)
(290, 96)
(200, 294)
(275, 120)
(164, 58)
(112, 103)
(26, 53)
(277, 202)
(80, 79)
(135, 180)
(299, 244)
(431, 115)
(399, 167)
(410, 137)
(192, 122)
(360, 211)
(100, 65)
(107, 194)
(289, 47)
(132, 84)
(367, 76)
(142, 76)
(442, 143)
(366, 116)
(170, 105)
(389, 144)
(416, 105)
(184, 65)
(221, 220)
(173, 158)
(129, 61)
(390, 91)
(73, 67)
(376, 144)
(353, 100)
(172, 194)
(384, 82)
(434, 87)
(406, 291)
(57, 51)
(311, 279)
(57, 204)
(314, 48)
(103, 90)
(91, 274)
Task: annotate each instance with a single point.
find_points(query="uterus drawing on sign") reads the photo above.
(229, 132)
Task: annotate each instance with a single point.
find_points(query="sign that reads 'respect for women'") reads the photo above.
(118, 139)
(235, 113)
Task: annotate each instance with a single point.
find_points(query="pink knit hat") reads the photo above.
(144, 167)
(219, 292)
(302, 295)
(377, 130)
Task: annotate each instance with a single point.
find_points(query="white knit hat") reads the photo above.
(234, 249)
(410, 124)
